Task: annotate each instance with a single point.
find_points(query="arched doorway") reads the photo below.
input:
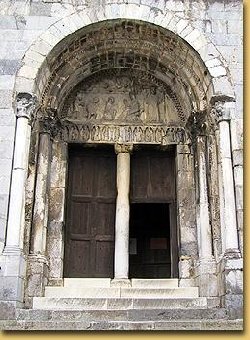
(177, 87)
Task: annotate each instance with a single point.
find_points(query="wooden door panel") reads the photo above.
(105, 215)
(105, 179)
(90, 213)
(162, 184)
(83, 175)
(105, 258)
(152, 176)
(80, 262)
(79, 218)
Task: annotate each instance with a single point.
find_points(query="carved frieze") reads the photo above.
(122, 99)
(102, 133)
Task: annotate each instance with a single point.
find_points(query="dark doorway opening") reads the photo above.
(150, 253)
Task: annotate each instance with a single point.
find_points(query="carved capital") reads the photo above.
(220, 111)
(50, 122)
(123, 148)
(26, 105)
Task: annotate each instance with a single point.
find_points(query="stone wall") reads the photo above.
(22, 22)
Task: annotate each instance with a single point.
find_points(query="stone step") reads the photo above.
(95, 292)
(55, 303)
(88, 282)
(122, 315)
(154, 283)
(106, 283)
(184, 325)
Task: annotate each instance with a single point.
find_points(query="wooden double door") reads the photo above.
(91, 205)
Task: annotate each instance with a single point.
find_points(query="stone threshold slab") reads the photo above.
(96, 292)
(47, 303)
(107, 282)
(203, 325)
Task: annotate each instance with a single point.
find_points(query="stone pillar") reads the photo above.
(186, 216)
(122, 212)
(206, 266)
(13, 263)
(37, 271)
(231, 264)
(231, 246)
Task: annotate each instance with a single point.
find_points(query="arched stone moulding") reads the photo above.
(36, 58)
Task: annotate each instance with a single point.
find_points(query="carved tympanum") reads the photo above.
(121, 99)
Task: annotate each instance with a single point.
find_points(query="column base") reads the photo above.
(12, 275)
(231, 274)
(120, 283)
(206, 277)
(186, 271)
(37, 276)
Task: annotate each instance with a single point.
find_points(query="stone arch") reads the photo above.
(35, 60)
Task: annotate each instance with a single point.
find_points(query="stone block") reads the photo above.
(39, 22)
(235, 26)
(9, 66)
(234, 305)
(239, 197)
(55, 229)
(238, 160)
(208, 284)
(24, 85)
(11, 288)
(55, 247)
(5, 99)
(7, 82)
(234, 282)
(225, 39)
(4, 201)
(8, 22)
(40, 8)
(56, 268)
(7, 310)
(236, 127)
(56, 207)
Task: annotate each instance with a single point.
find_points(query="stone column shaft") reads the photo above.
(39, 225)
(205, 229)
(25, 106)
(228, 199)
(122, 214)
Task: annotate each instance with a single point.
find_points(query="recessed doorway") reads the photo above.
(149, 245)
(153, 251)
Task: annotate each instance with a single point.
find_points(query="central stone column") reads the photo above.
(122, 211)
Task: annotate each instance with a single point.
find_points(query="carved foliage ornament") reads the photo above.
(26, 105)
(101, 133)
(220, 112)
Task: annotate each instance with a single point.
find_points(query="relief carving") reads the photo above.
(26, 105)
(100, 133)
(123, 99)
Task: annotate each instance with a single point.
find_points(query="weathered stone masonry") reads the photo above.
(184, 61)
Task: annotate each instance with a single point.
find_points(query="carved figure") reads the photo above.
(132, 109)
(79, 107)
(92, 108)
(110, 111)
